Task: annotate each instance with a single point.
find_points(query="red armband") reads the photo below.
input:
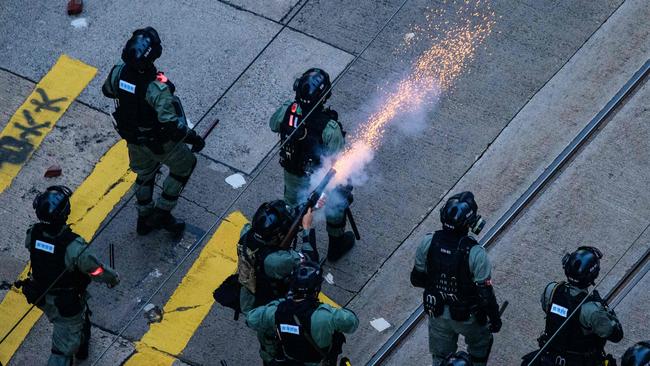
(97, 272)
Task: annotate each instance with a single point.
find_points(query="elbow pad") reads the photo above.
(418, 279)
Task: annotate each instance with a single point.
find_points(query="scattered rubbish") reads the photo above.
(380, 324)
(408, 37)
(79, 23)
(189, 123)
(155, 273)
(75, 7)
(4, 285)
(329, 278)
(53, 171)
(236, 180)
(153, 313)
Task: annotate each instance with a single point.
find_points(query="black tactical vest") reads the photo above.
(449, 273)
(47, 256)
(137, 121)
(301, 155)
(571, 337)
(292, 335)
(267, 289)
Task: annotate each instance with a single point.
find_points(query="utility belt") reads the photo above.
(69, 301)
(460, 310)
(152, 139)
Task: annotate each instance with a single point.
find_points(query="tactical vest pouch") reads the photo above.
(433, 303)
(128, 134)
(245, 269)
(68, 302)
(32, 292)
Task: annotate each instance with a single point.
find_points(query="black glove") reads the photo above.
(195, 140)
(495, 325)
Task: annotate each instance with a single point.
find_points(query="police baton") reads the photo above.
(210, 128)
(353, 224)
(503, 307)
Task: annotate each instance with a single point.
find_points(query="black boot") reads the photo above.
(339, 245)
(162, 219)
(143, 227)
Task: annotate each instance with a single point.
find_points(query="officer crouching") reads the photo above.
(306, 331)
(578, 324)
(151, 120)
(59, 259)
(264, 267)
(455, 274)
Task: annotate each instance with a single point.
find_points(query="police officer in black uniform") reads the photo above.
(637, 355)
(578, 323)
(61, 269)
(152, 121)
(455, 273)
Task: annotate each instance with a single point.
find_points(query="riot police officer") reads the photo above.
(589, 322)
(151, 119)
(455, 273)
(264, 268)
(320, 135)
(637, 355)
(458, 359)
(59, 259)
(306, 331)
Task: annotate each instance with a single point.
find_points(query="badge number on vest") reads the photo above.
(287, 328)
(46, 247)
(559, 310)
(127, 87)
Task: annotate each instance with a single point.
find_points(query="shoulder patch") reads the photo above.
(44, 246)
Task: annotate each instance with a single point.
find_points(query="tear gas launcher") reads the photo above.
(312, 200)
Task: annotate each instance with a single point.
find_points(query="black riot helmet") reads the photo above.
(271, 222)
(142, 49)
(460, 214)
(637, 355)
(53, 205)
(582, 266)
(306, 280)
(458, 359)
(313, 85)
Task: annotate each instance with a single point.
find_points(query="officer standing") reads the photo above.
(321, 135)
(264, 268)
(151, 120)
(455, 274)
(637, 355)
(306, 331)
(578, 324)
(59, 259)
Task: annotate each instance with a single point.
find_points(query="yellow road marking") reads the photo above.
(192, 299)
(39, 113)
(91, 202)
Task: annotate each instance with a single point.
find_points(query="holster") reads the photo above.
(32, 291)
